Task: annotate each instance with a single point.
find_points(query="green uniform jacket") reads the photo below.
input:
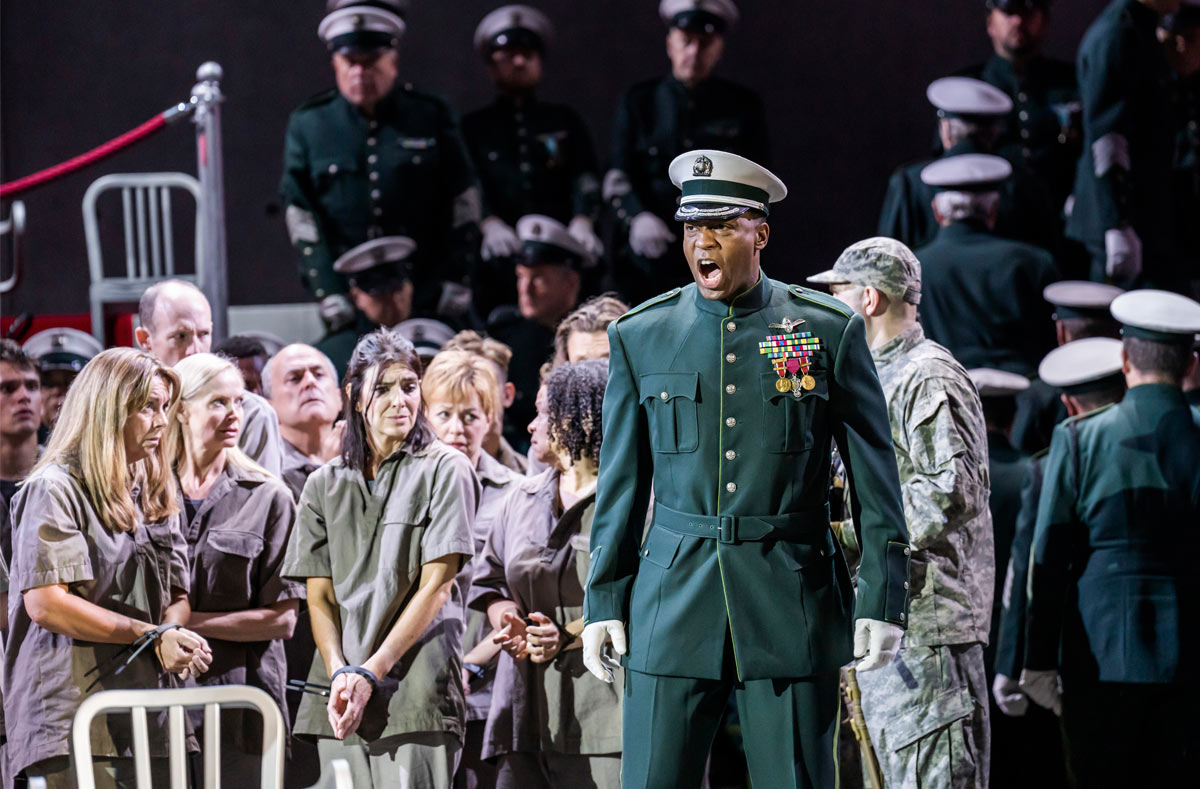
(348, 178)
(1044, 125)
(1113, 588)
(692, 413)
(1010, 637)
(1007, 471)
(981, 297)
(1123, 78)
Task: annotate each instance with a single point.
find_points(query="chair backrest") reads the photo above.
(148, 232)
(14, 226)
(176, 700)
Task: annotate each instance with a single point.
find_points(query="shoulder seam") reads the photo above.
(650, 303)
(803, 293)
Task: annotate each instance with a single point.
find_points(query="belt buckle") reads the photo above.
(727, 529)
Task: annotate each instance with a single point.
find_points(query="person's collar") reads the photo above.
(966, 145)
(1157, 394)
(491, 471)
(899, 345)
(747, 302)
(962, 227)
(514, 102)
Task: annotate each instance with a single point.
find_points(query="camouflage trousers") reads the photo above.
(927, 713)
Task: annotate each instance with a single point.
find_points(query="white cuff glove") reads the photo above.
(1009, 698)
(594, 637)
(499, 240)
(649, 235)
(876, 642)
(1123, 253)
(337, 311)
(581, 230)
(1044, 687)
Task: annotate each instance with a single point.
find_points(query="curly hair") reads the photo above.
(574, 396)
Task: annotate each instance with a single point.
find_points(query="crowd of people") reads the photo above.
(548, 507)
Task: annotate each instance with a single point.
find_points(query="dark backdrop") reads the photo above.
(843, 84)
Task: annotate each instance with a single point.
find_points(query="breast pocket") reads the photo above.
(670, 403)
(787, 419)
(226, 573)
(337, 180)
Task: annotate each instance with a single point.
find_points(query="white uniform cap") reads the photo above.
(997, 383)
(1081, 363)
(427, 335)
(720, 185)
(545, 240)
(360, 28)
(376, 252)
(509, 18)
(62, 348)
(1074, 298)
(968, 172)
(1157, 315)
(701, 16)
(967, 96)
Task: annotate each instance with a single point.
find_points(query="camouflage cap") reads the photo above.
(881, 263)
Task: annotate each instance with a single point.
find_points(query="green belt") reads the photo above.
(808, 527)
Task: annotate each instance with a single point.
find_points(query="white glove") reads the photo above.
(581, 230)
(594, 636)
(1044, 687)
(1123, 253)
(649, 235)
(499, 240)
(876, 642)
(1009, 698)
(337, 311)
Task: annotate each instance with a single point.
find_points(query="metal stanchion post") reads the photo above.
(212, 257)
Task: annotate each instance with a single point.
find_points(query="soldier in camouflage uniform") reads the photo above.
(928, 712)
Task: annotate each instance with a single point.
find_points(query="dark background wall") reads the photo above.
(843, 84)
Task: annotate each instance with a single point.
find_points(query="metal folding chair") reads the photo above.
(148, 234)
(14, 226)
(176, 700)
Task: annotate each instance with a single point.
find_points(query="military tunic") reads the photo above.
(371, 541)
(349, 178)
(1111, 587)
(656, 121)
(1123, 78)
(1026, 211)
(1043, 130)
(236, 541)
(538, 558)
(928, 711)
(60, 539)
(981, 297)
(1008, 469)
(692, 412)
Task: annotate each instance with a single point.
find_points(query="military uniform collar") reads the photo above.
(898, 346)
(385, 108)
(962, 228)
(1151, 395)
(962, 147)
(746, 303)
(511, 104)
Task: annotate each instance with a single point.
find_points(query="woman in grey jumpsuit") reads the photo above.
(381, 534)
(99, 564)
(551, 722)
(237, 519)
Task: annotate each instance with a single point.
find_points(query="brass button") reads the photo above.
(372, 159)
(320, 293)
(730, 454)
(731, 487)
(906, 584)
(646, 553)
(730, 422)
(308, 250)
(370, 141)
(375, 194)
(312, 272)
(1022, 97)
(731, 357)
(1023, 115)
(374, 176)
(416, 159)
(907, 551)
(664, 395)
(731, 326)
(333, 169)
(730, 388)
(901, 617)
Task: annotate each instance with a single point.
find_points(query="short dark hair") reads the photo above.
(240, 346)
(1083, 328)
(1168, 359)
(12, 352)
(999, 412)
(1098, 398)
(574, 397)
(379, 349)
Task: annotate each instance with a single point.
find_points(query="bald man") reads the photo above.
(301, 385)
(176, 322)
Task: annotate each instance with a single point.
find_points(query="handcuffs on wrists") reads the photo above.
(137, 646)
(323, 690)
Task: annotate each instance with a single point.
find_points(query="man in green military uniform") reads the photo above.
(533, 157)
(1110, 632)
(983, 293)
(971, 117)
(377, 158)
(1123, 209)
(661, 118)
(723, 399)
(1043, 126)
(1180, 33)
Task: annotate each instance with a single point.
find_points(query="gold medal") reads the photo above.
(807, 382)
(783, 385)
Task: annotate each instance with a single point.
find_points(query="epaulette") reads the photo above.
(648, 303)
(821, 299)
(1081, 417)
(324, 97)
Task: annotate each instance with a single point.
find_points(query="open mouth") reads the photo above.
(710, 274)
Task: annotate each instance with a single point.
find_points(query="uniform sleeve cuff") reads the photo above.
(67, 574)
(895, 607)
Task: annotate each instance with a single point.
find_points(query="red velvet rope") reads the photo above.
(83, 160)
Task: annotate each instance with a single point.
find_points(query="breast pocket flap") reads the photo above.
(661, 547)
(666, 387)
(237, 543)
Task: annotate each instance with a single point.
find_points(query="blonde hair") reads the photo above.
(459, 374)
(197, 373)
(89, 438)
(489, 348)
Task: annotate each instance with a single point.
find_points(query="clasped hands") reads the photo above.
(182, 652)
(540, 642)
